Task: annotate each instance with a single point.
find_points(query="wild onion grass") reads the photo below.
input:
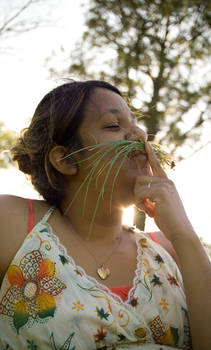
(98, 163)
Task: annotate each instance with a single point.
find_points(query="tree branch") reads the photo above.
(12, 18)
(198, 149)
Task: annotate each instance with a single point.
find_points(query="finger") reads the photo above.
(154, 190)
(154, 163)
(146, 180)
(142, 201)
(144, 191)
(149, 170)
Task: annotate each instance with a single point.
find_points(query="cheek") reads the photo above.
(88, 139)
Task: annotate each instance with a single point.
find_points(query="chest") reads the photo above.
(112, 266)
(69, 307)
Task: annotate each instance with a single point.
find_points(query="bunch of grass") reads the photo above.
(99, 163)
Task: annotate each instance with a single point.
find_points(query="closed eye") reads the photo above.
(113, 126)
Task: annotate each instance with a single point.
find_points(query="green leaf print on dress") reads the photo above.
(32, 291)
(31, 345)
(66, 345)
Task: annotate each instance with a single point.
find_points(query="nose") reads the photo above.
(136, 134)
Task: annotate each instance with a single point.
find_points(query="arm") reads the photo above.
(170, 217)
(13, 228)
(14, 218)
(196, 273)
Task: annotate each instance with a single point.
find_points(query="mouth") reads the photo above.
(136, 154)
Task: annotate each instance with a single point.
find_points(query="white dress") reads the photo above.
(47, 302)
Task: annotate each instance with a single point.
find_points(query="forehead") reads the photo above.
(103, 102)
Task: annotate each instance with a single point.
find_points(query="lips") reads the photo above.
(136, 154)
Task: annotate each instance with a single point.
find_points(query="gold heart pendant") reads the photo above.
(103, 272)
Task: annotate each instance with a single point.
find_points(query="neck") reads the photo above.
(106, 226)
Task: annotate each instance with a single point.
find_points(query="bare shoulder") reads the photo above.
(167, 245)
(14, 216)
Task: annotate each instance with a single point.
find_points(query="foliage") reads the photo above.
(157, 52)
(7, 138)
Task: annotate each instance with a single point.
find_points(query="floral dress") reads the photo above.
(47, 302)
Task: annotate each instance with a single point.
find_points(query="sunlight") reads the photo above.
(128, 215)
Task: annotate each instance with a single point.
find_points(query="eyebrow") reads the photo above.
(117, 111)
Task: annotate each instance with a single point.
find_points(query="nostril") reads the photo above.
(137, 134)
(132, 137)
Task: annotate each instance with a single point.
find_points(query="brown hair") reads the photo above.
(55, 122)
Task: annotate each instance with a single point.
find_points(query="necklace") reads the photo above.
(102, 270)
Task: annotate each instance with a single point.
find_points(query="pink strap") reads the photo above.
(154, 238)
(31, 219)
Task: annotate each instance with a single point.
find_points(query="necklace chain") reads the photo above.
(102, 271)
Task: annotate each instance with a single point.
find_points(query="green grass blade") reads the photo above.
(122, 147)
(117, 173)
(95, 165)
(103, 188)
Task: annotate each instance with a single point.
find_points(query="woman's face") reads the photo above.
(108, 118)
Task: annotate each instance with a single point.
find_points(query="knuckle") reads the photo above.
(170, 182)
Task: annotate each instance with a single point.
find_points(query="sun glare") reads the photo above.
(128, 215)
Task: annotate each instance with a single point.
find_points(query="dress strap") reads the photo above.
(153, 237)
(31, 218)
(47, 215)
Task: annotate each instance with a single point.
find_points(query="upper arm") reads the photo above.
(14, 213)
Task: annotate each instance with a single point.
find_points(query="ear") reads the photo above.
(64, 166)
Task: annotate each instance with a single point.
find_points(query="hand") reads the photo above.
(158, 197)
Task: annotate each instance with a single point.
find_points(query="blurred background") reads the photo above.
(156, 52)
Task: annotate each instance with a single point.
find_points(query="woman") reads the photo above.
(116, 288)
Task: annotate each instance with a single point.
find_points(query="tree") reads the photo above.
(7, 139)
(13, 22)
(157, 52)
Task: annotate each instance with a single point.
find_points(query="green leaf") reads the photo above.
(102, 314)
(19, 320)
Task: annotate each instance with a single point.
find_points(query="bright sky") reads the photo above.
(24, 81)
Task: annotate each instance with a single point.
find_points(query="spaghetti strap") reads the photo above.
(153, 237)
(47, 215)
(31, 218)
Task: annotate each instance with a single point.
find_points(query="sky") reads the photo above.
(25, 80)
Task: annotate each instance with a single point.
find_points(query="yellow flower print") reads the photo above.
(33, 290)
(164, 304)
(143, 243)
(78, 306)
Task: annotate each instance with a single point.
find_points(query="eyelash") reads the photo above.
(113, 126)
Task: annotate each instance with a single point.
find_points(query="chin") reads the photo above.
(138, 171)
(138, 163)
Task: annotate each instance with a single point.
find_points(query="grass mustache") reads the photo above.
(120, 149)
